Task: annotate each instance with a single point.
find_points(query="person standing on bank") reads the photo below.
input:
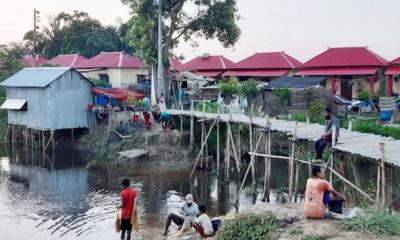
(326, 138)
(128, 198)
(187, 209)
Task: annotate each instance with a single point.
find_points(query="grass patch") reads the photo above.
(375, 221)
(296, 231)
(249, 226)
(315, 237)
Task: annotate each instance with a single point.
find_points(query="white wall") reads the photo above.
(119, 77)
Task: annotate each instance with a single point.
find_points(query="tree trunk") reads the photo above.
(153, 84)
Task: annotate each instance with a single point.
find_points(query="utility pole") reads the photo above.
(35, 27)
(160, 68)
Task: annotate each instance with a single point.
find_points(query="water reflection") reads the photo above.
(55, 197)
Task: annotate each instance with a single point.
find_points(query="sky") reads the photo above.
(301, 28)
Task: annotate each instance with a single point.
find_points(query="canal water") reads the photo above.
(57, 197)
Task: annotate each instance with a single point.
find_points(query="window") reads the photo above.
(104, 77)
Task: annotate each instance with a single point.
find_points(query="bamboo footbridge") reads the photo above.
(382, 150)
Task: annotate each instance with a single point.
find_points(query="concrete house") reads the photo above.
(393, 77)
(48, 99)
(264, 66)
(116, 68)
(349, 70)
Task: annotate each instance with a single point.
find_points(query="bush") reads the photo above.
(100, 83)
(299, 117)
(363, 95)
(209, 106)
(370, 126)
(284, 96)
(228, 87)
(375, 221)
(249, 226)
(249, 89)
(315, 112)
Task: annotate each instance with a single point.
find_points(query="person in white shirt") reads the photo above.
(203, 224)
(187, 209)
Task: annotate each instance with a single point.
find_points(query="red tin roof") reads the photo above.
(331, 71)
(256, 73)
(268, 60)
(345, 57)
(112, 60)
(175, 63)
(208, 63)
(27, 60)
(67, 60)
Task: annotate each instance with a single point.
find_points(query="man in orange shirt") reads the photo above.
(128, 198)
(315, 201)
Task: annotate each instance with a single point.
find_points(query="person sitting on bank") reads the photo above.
(326, 138)
(317, 195)
(128, 198)
(203, 224)
(187, 209)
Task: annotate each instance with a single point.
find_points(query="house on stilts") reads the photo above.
(41, 101)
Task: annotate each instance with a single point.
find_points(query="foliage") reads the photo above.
(249, 226)
(284, 96)
(134, 102)
(228, 87)
(370, 126)
(299, 117)
(249, 89)
(315, 112)
(209, 107)
(363, 95)
(100, 83)
(10, 59)
(77, 33)
(376, 221)
(212, 19)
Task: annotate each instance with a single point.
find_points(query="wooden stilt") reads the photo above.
(218, 151)
(206, 147)
(383, 175)
(390, 187)
(191, 141)
(201, 148)
(53, 142)
(266, 165)
(202, 142)
(227, 154)
(253, 157)
(296, 181)
(7, 131)
(291, 164)
(19, 134)
(378, 184)
(43, 140)
(239, 144)
(233, 147)
(26, 136)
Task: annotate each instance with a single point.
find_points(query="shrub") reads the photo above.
(228, 87)
(370, 126)
(315, 112)
(249, 89)
(299, 117)
(284, 96)
(100, 83)
(363, 95)
(249, 226)
(375, 221)
(209, 106)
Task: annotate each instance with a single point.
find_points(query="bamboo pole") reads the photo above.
(291, 164)
(181, 118)
(267, 160)
(43, 140)
(202, 141)
(378, 184)
(390, 187)
(6, 136)
(201, 148)
(191, 126)
(48, 142)
(218, 151)
(227, 154)
(383, 175)
(206, 147)
(233, 147)
(239, 144)
(252, 159)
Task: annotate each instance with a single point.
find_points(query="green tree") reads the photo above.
(250, 90)
(211, 19)
(78, 33)
(10, 59)
(228, 86)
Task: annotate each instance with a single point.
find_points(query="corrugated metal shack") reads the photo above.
(47, 99)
